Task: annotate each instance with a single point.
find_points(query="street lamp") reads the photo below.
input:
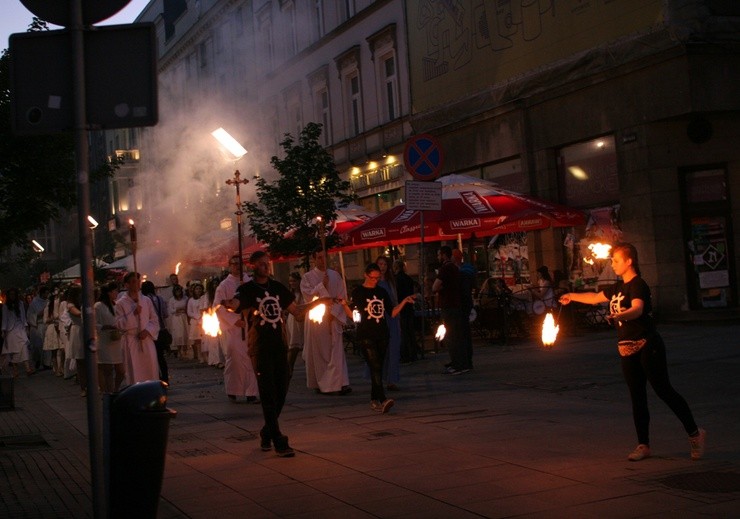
(93, 225)
(37, 247)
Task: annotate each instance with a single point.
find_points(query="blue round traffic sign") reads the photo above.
(423, 157)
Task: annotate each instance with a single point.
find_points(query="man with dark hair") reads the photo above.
(263, 301)
(447, 288)
(405, 287)
(467, 285)
(239, 378)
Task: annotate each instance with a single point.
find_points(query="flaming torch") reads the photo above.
(210, 324)
(177, 268)
(599, 251)
(132, 236)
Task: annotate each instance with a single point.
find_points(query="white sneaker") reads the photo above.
(697, 444)
(641, 452)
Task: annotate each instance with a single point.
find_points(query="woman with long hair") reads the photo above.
(110, 355)
(641, 349)
(76, 346)
(178, 310)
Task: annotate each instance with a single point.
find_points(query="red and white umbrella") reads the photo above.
(469, 205)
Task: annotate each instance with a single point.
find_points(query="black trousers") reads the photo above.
(649, 365)
(273, 377)
(374, 351)
(164, 372)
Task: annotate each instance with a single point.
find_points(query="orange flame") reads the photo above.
(316, 314)
(210, 324)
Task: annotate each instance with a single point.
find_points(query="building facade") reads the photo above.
(627, 109)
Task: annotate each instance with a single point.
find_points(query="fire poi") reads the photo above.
(441, 331)
(549, 330)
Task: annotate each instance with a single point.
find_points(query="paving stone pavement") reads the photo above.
(530, 432)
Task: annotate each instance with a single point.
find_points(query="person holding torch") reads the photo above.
(370, 301)
(641, 349)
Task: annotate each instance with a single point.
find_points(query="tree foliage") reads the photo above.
(309, 186)
(37, 173)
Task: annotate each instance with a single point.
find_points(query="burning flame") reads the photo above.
(130, 221)
(600, 250)
(177, 268)
(549, 330)
(209, 323)
(441, 331)
(356, 317)
(316, 314)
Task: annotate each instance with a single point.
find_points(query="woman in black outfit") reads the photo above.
(641, 348)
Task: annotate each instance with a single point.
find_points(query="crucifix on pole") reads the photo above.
(236, 182)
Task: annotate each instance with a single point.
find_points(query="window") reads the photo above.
(239, 21)
(319, 13)
(346, 9)
(266, 38)
(355, 104)
(291, 43)
(323, 114)
(390, 91)
(588, 173)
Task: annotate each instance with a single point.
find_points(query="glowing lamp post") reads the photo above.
(37, 247)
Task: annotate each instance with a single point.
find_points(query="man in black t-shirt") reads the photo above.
(262, 301)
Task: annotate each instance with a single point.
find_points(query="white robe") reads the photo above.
(323, 348)
(139, 357)
(16, 339)
(239, 377)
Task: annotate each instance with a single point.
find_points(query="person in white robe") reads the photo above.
(177, 308)
(323, 348)
(239, 377)
(139, 325)
(15, 335)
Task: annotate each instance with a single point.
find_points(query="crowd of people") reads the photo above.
(264, 330)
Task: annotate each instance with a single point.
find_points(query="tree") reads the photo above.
(285, 216)
(37, 173)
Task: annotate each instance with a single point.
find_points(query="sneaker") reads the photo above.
(282, 449)
(376, 405)
(641, 452)
(451, 371)
(386, 406)
(697, 444)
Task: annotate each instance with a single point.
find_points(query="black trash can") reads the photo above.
(137, 425)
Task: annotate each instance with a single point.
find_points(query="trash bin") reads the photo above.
(137, 425)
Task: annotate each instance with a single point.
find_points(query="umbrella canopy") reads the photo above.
(469, 205)
(73, 272)
(223, 244)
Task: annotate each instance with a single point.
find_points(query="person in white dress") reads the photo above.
(52, 342)
(323, 349)
(110, 356)
(15, 333)
(139, 325)
(70, 364)
(214, 345)
(197, 304)
(239, 377)
(177, 307)
(76, 343)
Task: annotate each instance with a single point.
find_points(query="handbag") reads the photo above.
(627, 348)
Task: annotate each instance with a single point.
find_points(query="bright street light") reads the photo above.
(229, 143)
(93, 222)
(37, 247)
